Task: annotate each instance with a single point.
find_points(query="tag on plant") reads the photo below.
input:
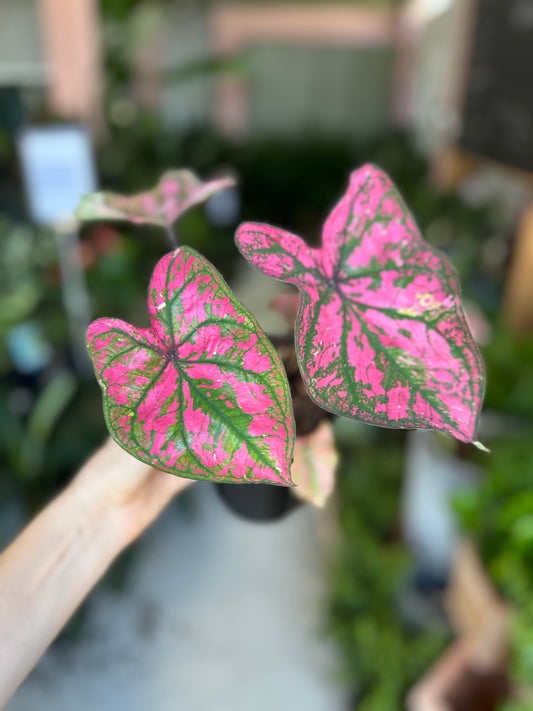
(380, 332)
(201, 393)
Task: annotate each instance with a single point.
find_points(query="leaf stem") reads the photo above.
(171, 236)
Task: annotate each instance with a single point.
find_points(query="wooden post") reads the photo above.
(70, 37)
(518, 301)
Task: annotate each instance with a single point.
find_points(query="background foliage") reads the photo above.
(289, 184)
(53, 417)
(383, 652)
(499, 513)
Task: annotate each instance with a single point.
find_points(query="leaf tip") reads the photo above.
(367, 171)
(227, 181)
(481, 447)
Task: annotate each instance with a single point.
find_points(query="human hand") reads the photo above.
(52, 565)
(131, 492)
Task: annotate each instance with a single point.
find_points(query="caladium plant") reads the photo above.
(379, 331)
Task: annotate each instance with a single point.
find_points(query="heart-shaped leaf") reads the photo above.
(201, 393)
(176, 192)
(380, 332)
(314, 464)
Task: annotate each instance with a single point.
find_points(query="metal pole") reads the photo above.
(75, 294)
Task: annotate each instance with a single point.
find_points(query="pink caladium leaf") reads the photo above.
(314, 465)
(380, 332)
(201, 393)
(176, 192)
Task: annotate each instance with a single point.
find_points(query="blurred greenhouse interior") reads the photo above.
(413, 586)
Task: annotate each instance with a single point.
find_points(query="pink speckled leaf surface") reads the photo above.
(176, 192)
(380, 332)
(201, 393)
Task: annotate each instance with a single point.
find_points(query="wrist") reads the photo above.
(123, 493)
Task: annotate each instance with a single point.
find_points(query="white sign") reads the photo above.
(58, 168)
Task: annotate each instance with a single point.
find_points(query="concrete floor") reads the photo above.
(217, 614)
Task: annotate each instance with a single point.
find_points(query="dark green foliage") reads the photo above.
(499, 515)
(382, 655)
(509, 362)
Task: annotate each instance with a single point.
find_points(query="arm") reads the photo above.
(52, 565)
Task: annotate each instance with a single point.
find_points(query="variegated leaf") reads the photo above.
(314, 464)
(380, 332)
(201, 393)
(176, 192)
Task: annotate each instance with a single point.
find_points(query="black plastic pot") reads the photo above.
(258, 502)
(266, 502)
